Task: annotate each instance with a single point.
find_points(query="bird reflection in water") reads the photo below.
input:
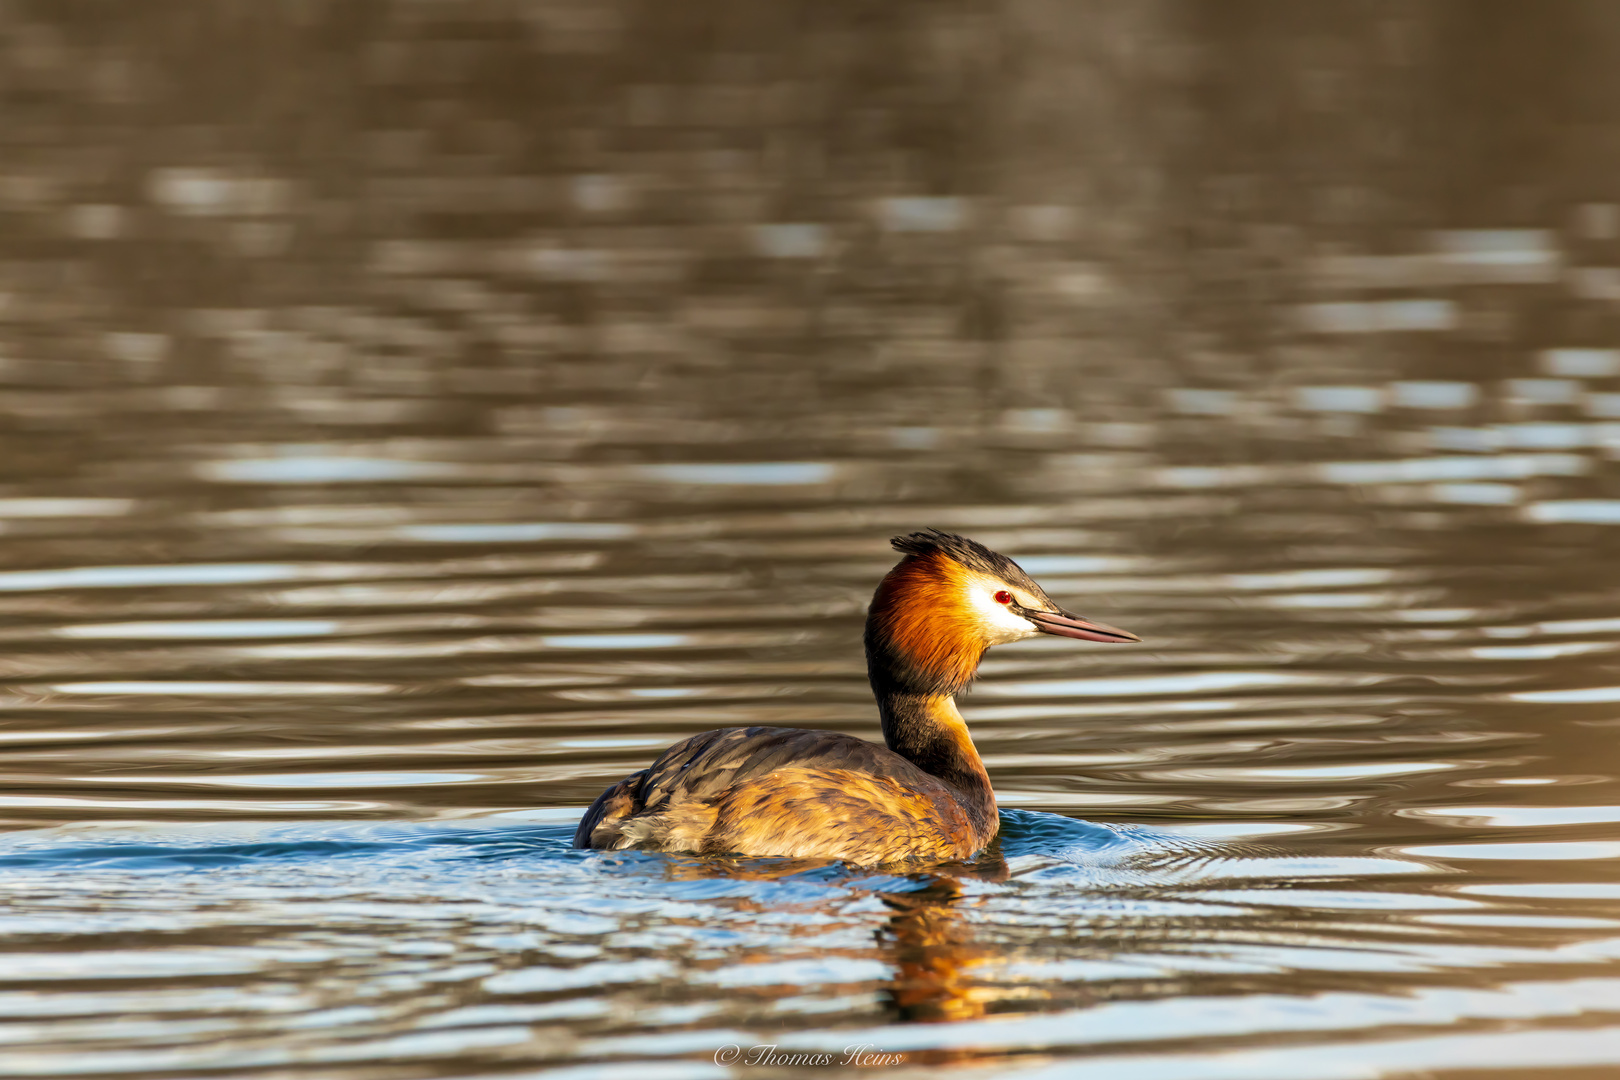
(927, 940)
(932, 949)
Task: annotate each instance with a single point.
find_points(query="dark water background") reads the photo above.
(416, 414)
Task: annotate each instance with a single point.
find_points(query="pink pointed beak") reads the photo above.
(1063, 624)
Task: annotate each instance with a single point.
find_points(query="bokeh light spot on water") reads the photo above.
(1580, 696)
(324, 470)
(116, 577)
(202, 629)
(1433, 394)
(1579, 511)
(212, 689)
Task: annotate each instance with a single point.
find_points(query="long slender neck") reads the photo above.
(928, 731)
(920, 719)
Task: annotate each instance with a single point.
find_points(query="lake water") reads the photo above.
(416, 415)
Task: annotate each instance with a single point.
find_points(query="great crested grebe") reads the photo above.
(820, 794)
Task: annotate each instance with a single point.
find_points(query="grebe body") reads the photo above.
(924, 797)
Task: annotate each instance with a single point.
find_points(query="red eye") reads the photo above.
(1003, 597)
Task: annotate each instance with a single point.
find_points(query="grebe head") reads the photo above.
(951, 598)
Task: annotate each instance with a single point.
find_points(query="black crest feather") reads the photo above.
(970, 553)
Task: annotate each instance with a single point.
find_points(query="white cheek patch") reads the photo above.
(1001, 624)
